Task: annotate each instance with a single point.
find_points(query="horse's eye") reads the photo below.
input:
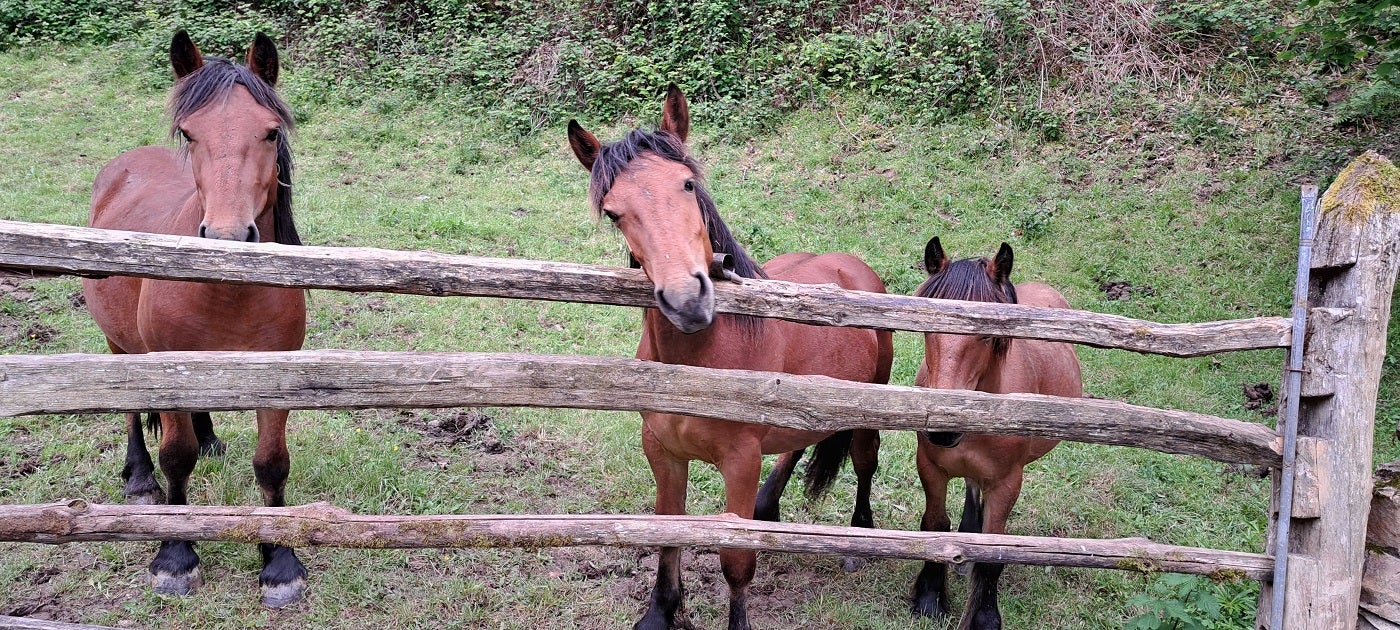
(689, 185)
(184, 135)
(612, 216)
(273, 135)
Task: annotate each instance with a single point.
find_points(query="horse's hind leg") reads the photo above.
(283, 577)
(139, 473)
(175, 569)
(865, 460)
(209, 443)
(930, 597)
(971, 522)
(766, 506)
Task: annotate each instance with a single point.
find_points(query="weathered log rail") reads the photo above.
(336, 379)
(322, 524)
(86, 251)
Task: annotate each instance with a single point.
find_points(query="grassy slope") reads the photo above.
(855, 178)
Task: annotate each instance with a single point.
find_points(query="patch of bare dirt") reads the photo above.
(1258, 397)
(1122, 289)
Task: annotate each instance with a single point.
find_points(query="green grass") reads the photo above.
(1211, 243)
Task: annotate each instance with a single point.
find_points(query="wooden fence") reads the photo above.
(1348, 302)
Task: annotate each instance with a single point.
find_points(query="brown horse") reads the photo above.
(992, 465)
(231, 180)
(650, 187)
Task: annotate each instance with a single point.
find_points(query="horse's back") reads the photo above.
(854, 354)
(844, 270)
(141, 190)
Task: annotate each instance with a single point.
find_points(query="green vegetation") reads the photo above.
(438, 125)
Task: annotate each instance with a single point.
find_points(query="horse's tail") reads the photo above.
(825, 464)
(153, 424)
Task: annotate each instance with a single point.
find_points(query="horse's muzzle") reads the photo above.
(690, 308)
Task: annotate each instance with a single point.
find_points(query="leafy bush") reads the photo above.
(1190, 602)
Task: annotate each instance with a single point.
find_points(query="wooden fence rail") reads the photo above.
(337, 379)
(85, 251)
(322, 524)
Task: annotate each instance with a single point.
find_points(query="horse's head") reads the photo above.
(961, 361)
(651, 189)
(234, 127)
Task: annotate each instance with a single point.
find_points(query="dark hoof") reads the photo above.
(945, 439)
(277, 596)
(212, 448)
(851, 564)
(176, 583)
(147, 497)
(929, 607)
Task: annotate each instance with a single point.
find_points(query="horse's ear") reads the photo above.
(934, 259)
(675, 113)
(184, 55)
(1000, 269)
(585, 146)
(262, 58)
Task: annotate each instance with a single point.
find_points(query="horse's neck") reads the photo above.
(726, 343)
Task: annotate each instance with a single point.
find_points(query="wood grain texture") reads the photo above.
(26, 623)
(322, 524)
(1355, 262)
(85, 251)
(337, 379)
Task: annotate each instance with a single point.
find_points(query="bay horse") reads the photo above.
(992, 465)
(230, 180)
(652, 190)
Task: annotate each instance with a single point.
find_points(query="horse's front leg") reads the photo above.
(139, 473)
(983, 611)
(283, 577)
(740, 467)
(931, 587)
(175, 569)
(672, 474)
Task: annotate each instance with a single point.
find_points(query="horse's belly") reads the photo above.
(193, 316)
(783, 440)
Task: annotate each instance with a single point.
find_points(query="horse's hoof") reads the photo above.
(851, 564)
(212, 448)
(279, 595)
(930, 608)
(148, 497)
(177, 584)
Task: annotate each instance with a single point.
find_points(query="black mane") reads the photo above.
(615, 157)
(967, 280)
(213, 81)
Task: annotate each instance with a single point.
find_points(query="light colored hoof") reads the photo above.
(150, 497)
(851, 564)
(284, 594)
(171, 584)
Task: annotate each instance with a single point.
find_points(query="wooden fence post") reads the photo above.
(1355, 261)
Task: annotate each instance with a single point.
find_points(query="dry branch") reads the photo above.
(84, 251)
(334, 379)
(322, 524)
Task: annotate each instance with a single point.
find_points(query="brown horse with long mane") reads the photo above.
(993, 466)
(649, 186)
(231, 180)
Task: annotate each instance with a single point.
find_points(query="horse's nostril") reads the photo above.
(253, 234)
(202, 232)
